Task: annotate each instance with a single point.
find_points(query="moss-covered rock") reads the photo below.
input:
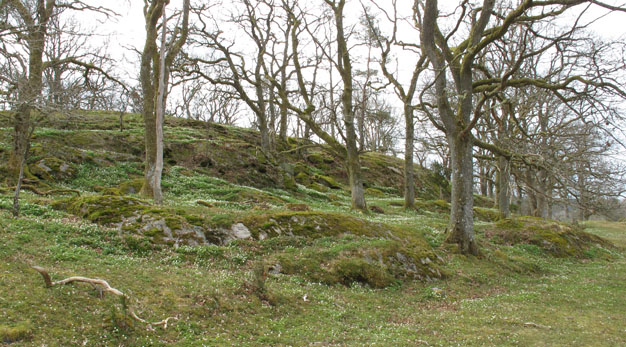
(135, 216)
(53, 169)
(375, 262)
(131, 187)
(327, 181)
(554, 238)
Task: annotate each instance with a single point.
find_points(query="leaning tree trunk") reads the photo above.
(461, 225)
(503, 187)
(409, 174)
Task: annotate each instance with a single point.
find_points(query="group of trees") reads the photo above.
(506, 92)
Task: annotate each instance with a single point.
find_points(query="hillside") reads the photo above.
(254, 250)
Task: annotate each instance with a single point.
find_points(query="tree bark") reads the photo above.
(503, 187)
(151, 79)
(344, 66)
(461, 226)
(160, 113)
(409, 174)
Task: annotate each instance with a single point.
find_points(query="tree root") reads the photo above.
(104, 287)
(48, 192)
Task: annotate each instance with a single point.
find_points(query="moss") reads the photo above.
(438, 206)
(131, 187)
(134, 216)
(320, 158)
(103, 209)
(303, 178)
(320, 188)
(289, 182)
(374, 192)
(554, 238)
(53, 169)
(486, 214)
(15, 333)
(327, 181)
(298, 207)
(250, 196)
(377, 263)
(483, 201)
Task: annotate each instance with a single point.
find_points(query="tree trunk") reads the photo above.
(532, 196)
(483, 180)
(354, 174)
(542, 193)
(503, 187)
(21, 125)
(461, 225)
(160, 112)
(409, 175)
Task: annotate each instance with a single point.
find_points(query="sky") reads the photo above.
(127, 30)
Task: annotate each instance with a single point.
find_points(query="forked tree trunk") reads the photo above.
(461, 227)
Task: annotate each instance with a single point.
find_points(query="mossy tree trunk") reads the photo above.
(150, 80)
(344, 66)
(29, 93)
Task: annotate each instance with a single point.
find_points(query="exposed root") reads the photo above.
(49, 192)
(105, 288)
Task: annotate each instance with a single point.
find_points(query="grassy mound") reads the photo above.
(554, 238)
(135, 216)
(349, 259)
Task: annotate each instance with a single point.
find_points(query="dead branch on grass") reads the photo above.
(106, 288)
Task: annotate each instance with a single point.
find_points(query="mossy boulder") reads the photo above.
(53, 169)
(554, 238)
(327, 181)
(320, 158)
(131, 187)
(375, 262)
(135, 216)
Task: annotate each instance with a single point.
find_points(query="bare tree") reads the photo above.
(26, 31)
(406, 92)
(458, 110)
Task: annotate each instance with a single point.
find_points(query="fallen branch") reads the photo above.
(105, 288)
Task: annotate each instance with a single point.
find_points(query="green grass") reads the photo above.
(513, 295)
(488, 301)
